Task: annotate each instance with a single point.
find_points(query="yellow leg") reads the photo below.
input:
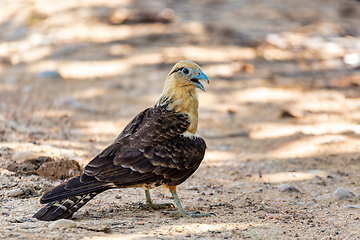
(181, 210)
(149, 204)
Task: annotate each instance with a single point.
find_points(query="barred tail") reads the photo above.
(64, 200)
(64, 208)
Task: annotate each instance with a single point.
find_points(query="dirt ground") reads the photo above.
(281, 116)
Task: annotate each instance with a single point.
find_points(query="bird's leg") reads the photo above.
(149, 204)
(181, 211)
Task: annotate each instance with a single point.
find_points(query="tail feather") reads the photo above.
(64, 208)
(64, 200)
(74, 186)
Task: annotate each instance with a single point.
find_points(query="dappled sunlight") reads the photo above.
(235, 159)
(330, 128)
(107, 33)
(69, 149)
(120, 50)
(282, 109)
(299, 148)
(267, 95)
(7, 87)
(180, 230)
(93, 69)
(48, 113)
(101, 130)
(106, 68)
(209, 54)
(227, 70)
(146, 59)
(31, 55)
(43, 6)
(221, 158)
(275, 54)
(276, 130)
(273, 130)
(315, 145)
(287, 176)
(354, 116)
(203, 227)
(327, 101)
(89, 93)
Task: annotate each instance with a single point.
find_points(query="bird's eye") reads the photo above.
(185, 71)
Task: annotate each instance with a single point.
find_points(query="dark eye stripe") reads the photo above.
(177, 70)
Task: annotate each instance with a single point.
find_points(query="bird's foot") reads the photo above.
(156, 206)
(194, 214)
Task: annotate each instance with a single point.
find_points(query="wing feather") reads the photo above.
(150, 149)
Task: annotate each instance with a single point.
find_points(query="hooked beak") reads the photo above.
(200, 76)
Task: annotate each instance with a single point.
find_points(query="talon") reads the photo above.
(194, 213)
(181, 212)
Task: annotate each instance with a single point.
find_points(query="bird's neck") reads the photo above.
(184, 100)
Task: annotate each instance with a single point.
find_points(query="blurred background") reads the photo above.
(284, 81)
(80, 70)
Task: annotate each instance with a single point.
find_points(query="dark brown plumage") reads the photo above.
(157, 147)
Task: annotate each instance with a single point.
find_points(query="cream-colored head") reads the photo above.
(180, 90)
(185, 74)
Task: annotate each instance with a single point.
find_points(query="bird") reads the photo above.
(159, 146)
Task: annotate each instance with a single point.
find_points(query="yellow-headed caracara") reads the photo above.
(158, 147)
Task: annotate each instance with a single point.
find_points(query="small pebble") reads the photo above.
(63, 223)
(193, 188)
(48, 74)
(6, 151)
(15, 192)
(290, 160)
(288, 188)
(225, 148)
(199, 199)
(352, 207)
(288, 114)
(270, 209)
(332, 139)
(6, 172)
(25, 190)
(239, 186)
(22, 220)
(96, 227)
(342, 193)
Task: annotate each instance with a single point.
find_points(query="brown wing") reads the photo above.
(151, 149)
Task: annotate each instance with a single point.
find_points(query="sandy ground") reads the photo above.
(282, 109)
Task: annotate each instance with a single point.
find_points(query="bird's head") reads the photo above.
(180, 91)
(186, 75)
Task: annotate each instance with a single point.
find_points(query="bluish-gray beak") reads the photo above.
(200, 76)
